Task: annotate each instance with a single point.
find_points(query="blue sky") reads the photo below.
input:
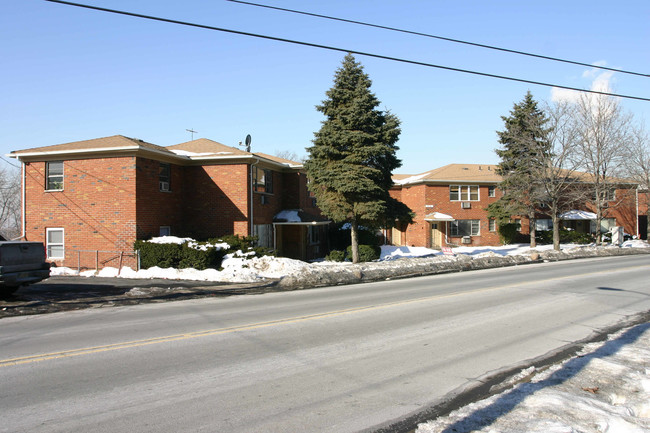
(72, 74)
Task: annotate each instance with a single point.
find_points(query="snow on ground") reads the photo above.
(606, 388)
(237, 269)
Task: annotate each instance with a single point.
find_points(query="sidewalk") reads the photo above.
(605, 388)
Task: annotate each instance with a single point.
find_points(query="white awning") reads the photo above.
(437, 216)
(578, 215)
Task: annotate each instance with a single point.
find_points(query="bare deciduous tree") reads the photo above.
(10, 203)
(556, 176)
(637, 164)
(291, 156)
(603, 130)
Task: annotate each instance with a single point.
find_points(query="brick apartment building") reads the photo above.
(96, 197)
(450, 205)
(88, 201)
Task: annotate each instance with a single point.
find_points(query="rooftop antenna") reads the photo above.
(192, 132)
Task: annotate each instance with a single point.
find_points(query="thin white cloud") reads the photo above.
(600, 82)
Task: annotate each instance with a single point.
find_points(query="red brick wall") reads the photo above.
(426, 199)
(217, 200)
(96, 207)
(156, 208)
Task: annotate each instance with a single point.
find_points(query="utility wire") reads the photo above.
(8, 162)
(475, 44)
(344, 50)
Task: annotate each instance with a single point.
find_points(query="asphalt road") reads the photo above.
(338, 359)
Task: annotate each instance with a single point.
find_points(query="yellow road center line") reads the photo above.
(259, 325)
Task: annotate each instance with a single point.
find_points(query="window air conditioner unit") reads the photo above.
(467, 240)
(164, 186)
(466, 205)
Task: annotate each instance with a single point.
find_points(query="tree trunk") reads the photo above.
(599, 220)
(532, 228)
(355, 240)
(556, 231)
(647, 233)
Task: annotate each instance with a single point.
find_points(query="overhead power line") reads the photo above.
(475, 44)
(345, 50)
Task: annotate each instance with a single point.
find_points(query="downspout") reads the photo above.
(252, 229)
(23, 207)
(637, 213)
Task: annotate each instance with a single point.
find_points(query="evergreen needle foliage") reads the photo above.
(525, 147)
(354, 154)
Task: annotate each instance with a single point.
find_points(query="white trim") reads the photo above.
(72, 151)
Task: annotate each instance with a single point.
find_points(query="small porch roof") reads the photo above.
(297, 217)
(438, 216)
(578, 215)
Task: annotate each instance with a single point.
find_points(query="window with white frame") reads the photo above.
(517, 222)
(606, 194)
(55, 243)
(463, 193)
(54, 175)
(543, 224)
(606, 225)
(262, 180)
(492, 225)
(465, 228)
(492, 191)
(165, 176)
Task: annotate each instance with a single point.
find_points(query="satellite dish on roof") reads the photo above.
(248, 143)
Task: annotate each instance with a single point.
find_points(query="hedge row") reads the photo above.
(196, 255)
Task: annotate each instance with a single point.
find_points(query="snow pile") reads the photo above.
(190, 243)
(239, 267)
(389, 252)
(288, 215)
(635, 243)
(169, 240)
(606, 388)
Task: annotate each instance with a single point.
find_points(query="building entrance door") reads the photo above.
(436, 236)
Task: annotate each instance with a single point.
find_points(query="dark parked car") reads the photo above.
(21, 263)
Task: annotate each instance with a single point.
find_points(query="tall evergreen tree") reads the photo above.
(525, 144)
(354, 154)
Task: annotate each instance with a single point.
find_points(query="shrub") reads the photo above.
(367, 253)
(566, 237)
(161, 255)
(243, 244)
(508, 233)
(335, 256)
(187, 255)
(200, 257)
